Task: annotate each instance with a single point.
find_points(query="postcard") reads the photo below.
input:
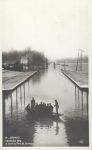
(46, 73)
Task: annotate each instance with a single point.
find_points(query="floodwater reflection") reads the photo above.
(39, 76)
(46, 86)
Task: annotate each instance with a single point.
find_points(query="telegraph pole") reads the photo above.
(77, 61)
(80, 55)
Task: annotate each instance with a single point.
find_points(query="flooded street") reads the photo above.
(46, 86)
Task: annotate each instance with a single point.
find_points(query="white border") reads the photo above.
(90, 100)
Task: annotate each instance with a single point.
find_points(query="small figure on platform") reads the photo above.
(32, 104)
(57, 106)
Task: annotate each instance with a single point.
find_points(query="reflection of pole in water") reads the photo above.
(57, 128)
(3, 115)
(28, 90)
(54, 65)
(24, 94)
(3, 105)
(21, 100)
(17, 103)
(82, 98)
(87, 103)
(82, 101)
(75, 97)
(20, 96)
(78, 98)
(11, 105)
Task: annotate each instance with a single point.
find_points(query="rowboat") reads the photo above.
(53, 115)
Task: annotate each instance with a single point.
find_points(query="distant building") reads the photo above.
(24, 62)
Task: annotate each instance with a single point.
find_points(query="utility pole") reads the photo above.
(77, 61)
(80, 55)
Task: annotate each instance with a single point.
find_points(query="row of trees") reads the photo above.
(34, 58)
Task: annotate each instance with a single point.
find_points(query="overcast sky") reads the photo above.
(56, 27)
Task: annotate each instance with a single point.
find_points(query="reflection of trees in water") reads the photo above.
(37, 78)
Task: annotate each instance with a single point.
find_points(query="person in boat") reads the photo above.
(36, 108)
(40, 108)
(49, 108)
(57, 106)
(28, 108)
(44, 108)
(33, 104)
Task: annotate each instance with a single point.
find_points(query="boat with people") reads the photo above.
(42, 110)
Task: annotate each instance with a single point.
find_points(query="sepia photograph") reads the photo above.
(45, 73)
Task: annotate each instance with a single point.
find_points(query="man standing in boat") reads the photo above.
(33, 104)
(57, 106)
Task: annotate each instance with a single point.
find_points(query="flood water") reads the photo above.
(46, 86)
